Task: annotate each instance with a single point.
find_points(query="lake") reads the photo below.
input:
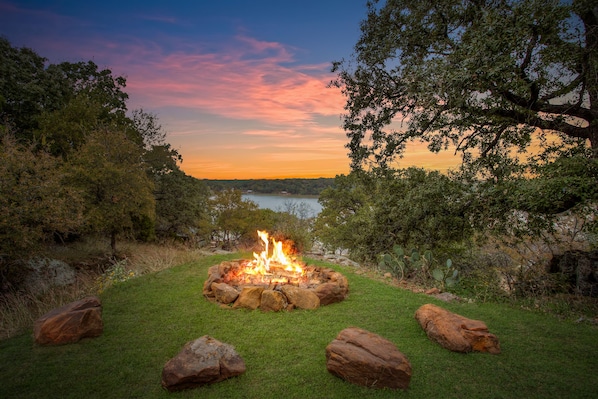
(282, 203)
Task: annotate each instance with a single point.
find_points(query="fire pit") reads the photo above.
(273, 282)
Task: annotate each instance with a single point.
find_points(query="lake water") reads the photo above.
(284, 203)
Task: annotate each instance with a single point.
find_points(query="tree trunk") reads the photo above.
(589, 16)
(113, 243)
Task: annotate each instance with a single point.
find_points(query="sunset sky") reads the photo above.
(239, 86)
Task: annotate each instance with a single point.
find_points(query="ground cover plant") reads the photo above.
(148, 319)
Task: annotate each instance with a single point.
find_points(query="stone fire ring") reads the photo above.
(318, 287)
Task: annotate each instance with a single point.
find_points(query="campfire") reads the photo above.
(273, 280)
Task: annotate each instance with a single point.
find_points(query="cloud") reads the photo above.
(244, 79)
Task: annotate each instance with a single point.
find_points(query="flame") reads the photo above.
(263, 263)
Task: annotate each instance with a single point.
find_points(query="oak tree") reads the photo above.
(109, 170)
(36, 203)
(483, 76)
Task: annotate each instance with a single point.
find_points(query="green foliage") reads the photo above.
(36, 201)
(233, 218)
(108, 169)
(508, 85)
(32, 92)
(81, 165)
(64, 130)
(481, 77)
(448, 275)
(402, 265)
(368, 213)
(116, 273)
(274, 186)
(181, 206)
(22, 98)
(344, 213)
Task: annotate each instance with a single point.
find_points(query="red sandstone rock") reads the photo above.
(330, 293)
(200, 362)
(302, 298)
(364, 358)
(70, 323)
(273, 301)
(224, 293)
(455, 332)
(249, 298)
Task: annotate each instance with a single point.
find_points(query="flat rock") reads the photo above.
(455, 332)
(364, 358)
(70, 323)
(203, 361)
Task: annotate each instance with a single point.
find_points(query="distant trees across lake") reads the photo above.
(274, 186)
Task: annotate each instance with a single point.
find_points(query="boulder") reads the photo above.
(249, 298)
(70, 323)
(455, 332)
(301, 298)
(335, 290)
(273, 301)
(364, 358)
(201, 362)
(330, 293)
(224, 293)
(44, 273)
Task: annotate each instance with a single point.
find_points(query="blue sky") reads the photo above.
(239, 86)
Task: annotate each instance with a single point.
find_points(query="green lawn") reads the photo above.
(148, 319)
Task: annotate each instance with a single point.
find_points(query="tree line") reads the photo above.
(75, 162)
(510, 85)
(274, 186)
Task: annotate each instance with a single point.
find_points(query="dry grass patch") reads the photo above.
(96, 271)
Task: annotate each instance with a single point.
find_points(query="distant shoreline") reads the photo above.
(310, 187)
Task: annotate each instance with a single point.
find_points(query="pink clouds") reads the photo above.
(235, 106)
(245, 79)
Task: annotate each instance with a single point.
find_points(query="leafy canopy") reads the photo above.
(485, 77)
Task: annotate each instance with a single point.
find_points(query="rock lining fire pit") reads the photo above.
(273, 283)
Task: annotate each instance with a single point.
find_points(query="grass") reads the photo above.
(19, 309)
(148, 319)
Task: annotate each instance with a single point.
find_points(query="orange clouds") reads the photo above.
(243, 108)
(272, 116)
(234, 106)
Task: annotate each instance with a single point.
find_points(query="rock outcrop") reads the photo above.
(364, 358)
(455, 332)
(201, 362)
(70, 323)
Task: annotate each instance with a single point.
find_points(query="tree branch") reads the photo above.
(534, 120)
